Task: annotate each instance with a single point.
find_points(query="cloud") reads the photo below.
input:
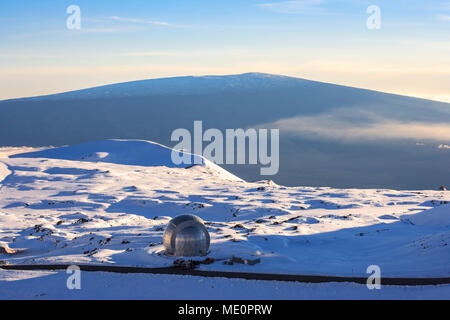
(153, 54)
(443, 146)
(139, 21)
(108, 30)
(444, 17)
(445, 5)
(336, 127)
(294, 6)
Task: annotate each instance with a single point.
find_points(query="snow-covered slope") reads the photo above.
(436, 217)
(109, 202)
(126, 152)
(4, 172)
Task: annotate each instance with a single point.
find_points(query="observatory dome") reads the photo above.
(186, 235)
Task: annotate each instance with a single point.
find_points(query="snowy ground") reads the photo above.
(109, 202)
(101, 285)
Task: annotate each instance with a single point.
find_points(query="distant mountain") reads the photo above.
(184, 86)
(331, 135)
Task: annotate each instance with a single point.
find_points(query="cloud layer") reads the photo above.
(334, 127)
(295, 6)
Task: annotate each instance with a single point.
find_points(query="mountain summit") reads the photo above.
(182, 86)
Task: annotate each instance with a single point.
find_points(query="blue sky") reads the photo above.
(324, 40)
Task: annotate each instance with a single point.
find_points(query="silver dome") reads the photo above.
(187, 236)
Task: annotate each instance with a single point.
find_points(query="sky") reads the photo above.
(323, 40)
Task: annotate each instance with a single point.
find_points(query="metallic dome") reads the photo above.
(187, 236)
